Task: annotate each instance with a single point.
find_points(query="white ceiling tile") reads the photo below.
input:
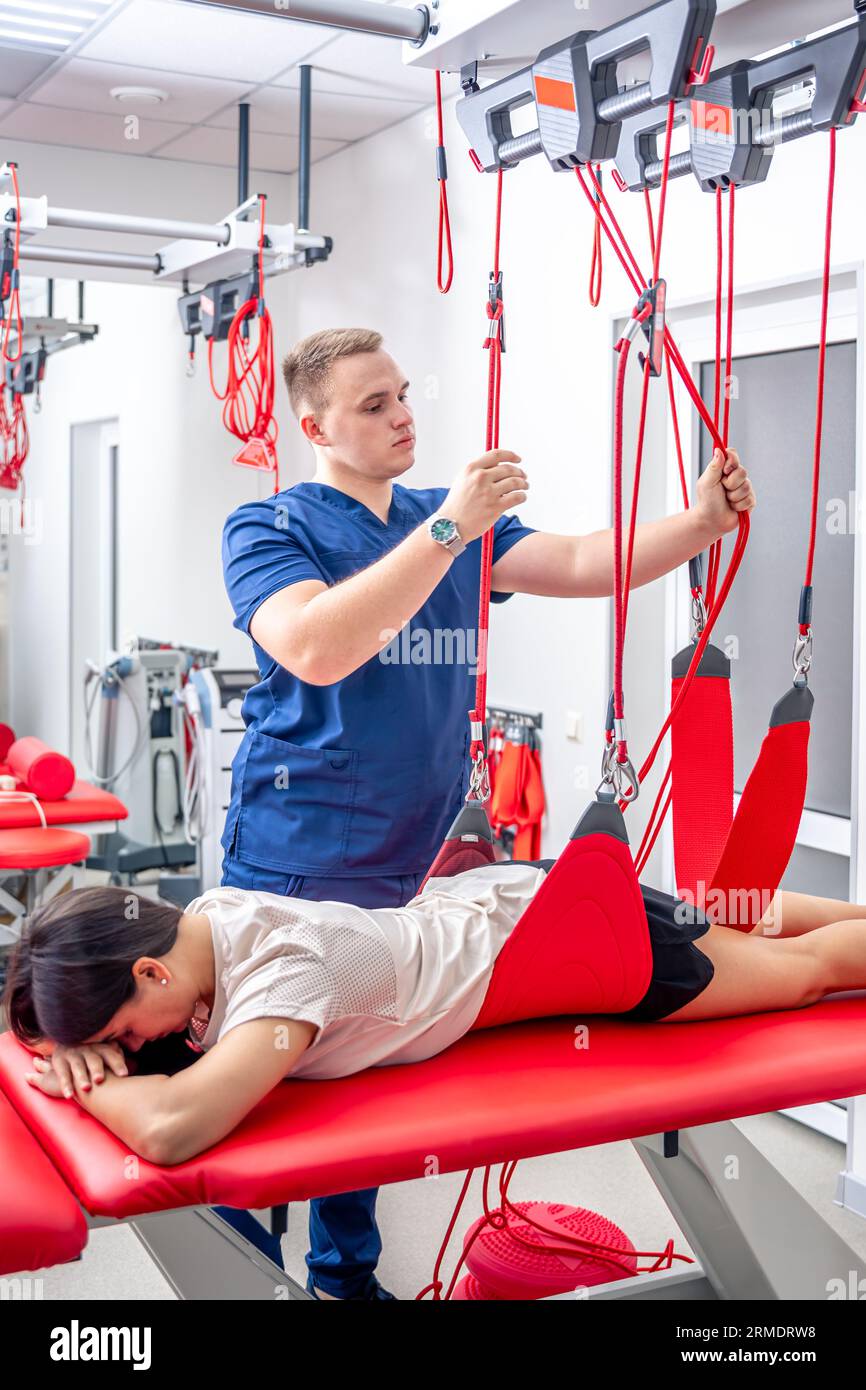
(335, 116)
(205, 40)
(347, 84)
(275, 154)
(84, 85)
(378, 61)
(51, 125)
(19, 67)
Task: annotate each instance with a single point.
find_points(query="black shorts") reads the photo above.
(680, 970)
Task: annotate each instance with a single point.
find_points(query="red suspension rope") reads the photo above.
(596, 267)
(822, 360)
(653, 826)
(629, 264)
(248, 398)
(443, 283)
(14, 315)
(493, 344)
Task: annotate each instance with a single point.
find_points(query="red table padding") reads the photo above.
(40, 849)
(84, 803)
(41, 1224)
(509, 1092)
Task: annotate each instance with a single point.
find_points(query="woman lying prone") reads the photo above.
(265, 987)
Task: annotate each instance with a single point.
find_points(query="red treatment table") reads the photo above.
(48, 848)
(510, 1092)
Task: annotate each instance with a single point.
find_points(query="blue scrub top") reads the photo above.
(362, 777)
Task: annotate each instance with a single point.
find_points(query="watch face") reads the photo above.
(443, 529)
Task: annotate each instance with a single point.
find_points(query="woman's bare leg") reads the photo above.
(793, 914)
(754, 974)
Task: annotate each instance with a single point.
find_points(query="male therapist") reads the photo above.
(355, 758)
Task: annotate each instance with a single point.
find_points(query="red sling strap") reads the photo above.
(760, 843)
(702, 735)
(766, 829)
(702, 792)
(469, 842)
(592, 895)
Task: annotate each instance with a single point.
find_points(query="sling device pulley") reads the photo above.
(574, 86)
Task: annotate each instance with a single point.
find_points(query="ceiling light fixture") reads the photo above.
(48, 24)
(137, 96)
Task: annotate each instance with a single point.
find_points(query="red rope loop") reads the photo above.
(596, 266)
(493, 344)
(14, 315)
(822, 361)
(248, 398)
(443, 283)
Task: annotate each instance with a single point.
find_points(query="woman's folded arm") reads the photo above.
(168, 1119)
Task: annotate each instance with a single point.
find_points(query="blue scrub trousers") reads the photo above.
(345, 1243)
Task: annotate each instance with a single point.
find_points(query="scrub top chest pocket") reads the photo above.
(296, 805)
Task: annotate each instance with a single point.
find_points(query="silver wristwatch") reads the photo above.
(445, 533)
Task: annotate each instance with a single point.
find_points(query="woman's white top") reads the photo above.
(382, 985)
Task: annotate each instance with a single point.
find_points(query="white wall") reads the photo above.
(379, 202)
(176, 483)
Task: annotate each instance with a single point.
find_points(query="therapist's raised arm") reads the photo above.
(322, 633)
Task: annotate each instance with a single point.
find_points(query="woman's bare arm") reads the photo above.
(168, 1119)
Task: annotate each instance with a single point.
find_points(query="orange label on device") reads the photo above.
(549, 91)
(708, 116)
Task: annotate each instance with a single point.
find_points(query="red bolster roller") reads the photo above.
(42, 771)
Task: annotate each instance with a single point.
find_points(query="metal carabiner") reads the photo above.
(699, 615)
(479, 779)
(801, 658)
(619, 776)
(624, 776)
(607, 758)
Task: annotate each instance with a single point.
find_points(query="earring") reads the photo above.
(163, 982)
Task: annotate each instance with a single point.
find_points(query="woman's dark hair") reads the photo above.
(72, 969)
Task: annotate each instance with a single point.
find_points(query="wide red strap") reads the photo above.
(764, 830)
(582, 945)
(702, 771)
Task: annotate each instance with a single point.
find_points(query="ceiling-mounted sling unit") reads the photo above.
(574, 86)
(732, 130)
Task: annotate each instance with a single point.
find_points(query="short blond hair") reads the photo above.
(306, 369)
